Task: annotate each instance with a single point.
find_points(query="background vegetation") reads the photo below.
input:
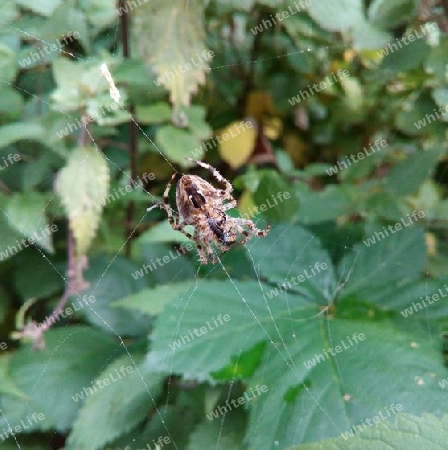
(100, 245)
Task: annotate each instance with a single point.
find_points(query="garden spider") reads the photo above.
(203, 206)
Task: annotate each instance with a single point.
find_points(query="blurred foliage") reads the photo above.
(283, 97)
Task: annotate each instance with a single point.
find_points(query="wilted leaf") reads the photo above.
(83, 185)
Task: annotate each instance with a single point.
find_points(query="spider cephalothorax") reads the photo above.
(203, 206)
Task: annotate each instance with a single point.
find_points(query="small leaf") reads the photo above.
(88, 171)
(236, 143)
(176, 144)
(26, 214)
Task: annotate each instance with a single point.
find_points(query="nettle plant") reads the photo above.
(329, 121)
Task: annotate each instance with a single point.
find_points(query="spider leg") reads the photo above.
(217, 175)
(239, 223)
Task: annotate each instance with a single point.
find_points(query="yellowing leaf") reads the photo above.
(236, 143)
(170, 38)
(272, 127)
(83, 185)
(260, 104)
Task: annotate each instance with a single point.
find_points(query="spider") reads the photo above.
(203, 206)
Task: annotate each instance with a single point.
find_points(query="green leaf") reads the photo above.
(391, 13)
(362, 380)
(225, 323)
(86, 169)
(43, 7)
(341, 16)
(152, 301)
(20, 131)
(72, 358)
(421, 164)
(406, 57)
(328, 204)
(108, 283)
(176, 144)
(406, 432)
(116, 407)
(7, 384)
(276, 247)
(26, 214)
(229, 434)
(162, 232)
(277, 197)
(28, 280)
(384, 259)
(177, 49)
(157, 113)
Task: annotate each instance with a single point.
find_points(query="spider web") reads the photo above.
(187, 297)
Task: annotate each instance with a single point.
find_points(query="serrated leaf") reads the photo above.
(152, 301)
(177, 53)
(71, 359)
(117, 407)
(173, 344)
(312, 398)
(238, 142)
(86, 169)
(382, 259)
(405, 432)
(26, 214)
